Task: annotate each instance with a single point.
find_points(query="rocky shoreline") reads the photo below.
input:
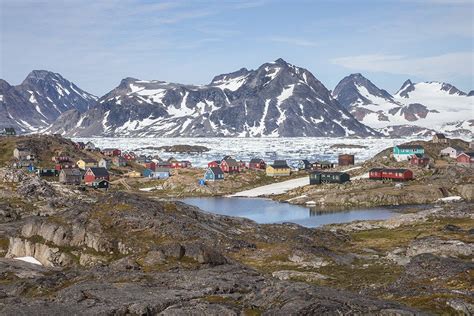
(124, 253)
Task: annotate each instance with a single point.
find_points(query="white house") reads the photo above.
(451, 152)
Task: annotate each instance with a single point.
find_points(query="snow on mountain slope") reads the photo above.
(428, 105)
(277, 99)
(39, 100)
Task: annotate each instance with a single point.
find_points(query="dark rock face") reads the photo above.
(276, 99)
(39, 100)
(406, 88)
(347, 92)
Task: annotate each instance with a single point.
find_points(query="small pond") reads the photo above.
(266, 211)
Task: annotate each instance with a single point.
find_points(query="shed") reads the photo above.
(345, 160)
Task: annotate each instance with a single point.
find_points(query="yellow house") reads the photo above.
(278, 168)
(86, 163)
(133, 174)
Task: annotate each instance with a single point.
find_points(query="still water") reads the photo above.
(265, 211)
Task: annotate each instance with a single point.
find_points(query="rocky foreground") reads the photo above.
(123, 253)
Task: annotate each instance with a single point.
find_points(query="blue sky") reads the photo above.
(97, 43)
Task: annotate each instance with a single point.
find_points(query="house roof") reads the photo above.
(256, 160)
(232, 162)
(388, 170)
(305, 161)
(99, 171)
(109, 149)
(216, 170)
(453, 147)
(420, 156)
(410, 146)
(88, 160)
(470, 154)
(279, 164)
(334, 173)
(72, 172)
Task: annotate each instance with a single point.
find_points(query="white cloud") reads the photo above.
(293, 41)
(448, 65)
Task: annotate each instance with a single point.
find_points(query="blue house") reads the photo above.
(161, 173)
(405, 152)
(214, 174)
(147, 173)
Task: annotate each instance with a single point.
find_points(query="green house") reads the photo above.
(405, 152)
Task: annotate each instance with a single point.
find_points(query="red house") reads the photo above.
(213, 164)
(96, 174)
(257, 163)
(390, 174)
(175, 164)
(111, 152)
(230, 166)
(129, 156)
(64, 165)
(419, 160)
(465, 158)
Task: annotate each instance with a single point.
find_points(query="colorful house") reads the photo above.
(230, 165)
(405, 152)
(465, 158)
(161, 173)
(133, 174)
(111, 152)
(419, 160)
(390, 174)
(214, 174)
(70, 176)
(257, 163)
(278, 168)
(147, 173)
(451, 152)
(213, 164)
(149, 165)
(86, 163)
(95, 174)
(119, 161)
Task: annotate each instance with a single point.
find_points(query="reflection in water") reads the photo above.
(266, 211)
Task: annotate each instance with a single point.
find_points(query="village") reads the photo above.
(86, 166)
(94, 220)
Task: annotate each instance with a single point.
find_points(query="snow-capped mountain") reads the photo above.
(39, 100)
(277, 99)
(426, 105)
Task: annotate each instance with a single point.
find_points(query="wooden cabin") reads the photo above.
(119, 161)
(319, 177)
(419, 160)
(70, 176)
(230, 165)
(439, 138)
(213, 164)
(278, 168)
(345, 160)
(214, 174)
(390, 174)
(95, 174)
(465, 158)
(257, 164)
